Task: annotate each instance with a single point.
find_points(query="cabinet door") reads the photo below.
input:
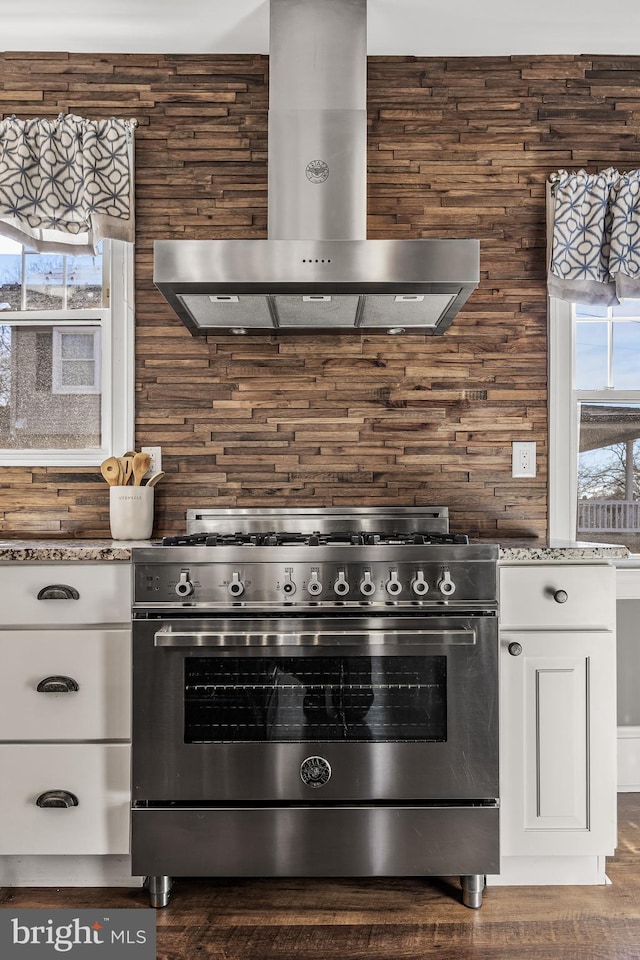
(558, 743)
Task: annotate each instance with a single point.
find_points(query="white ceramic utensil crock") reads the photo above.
(131, 512)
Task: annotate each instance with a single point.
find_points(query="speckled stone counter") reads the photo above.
(544, 550)
(66, 550)
(549, 550)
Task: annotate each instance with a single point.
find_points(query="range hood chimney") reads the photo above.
(317, 271)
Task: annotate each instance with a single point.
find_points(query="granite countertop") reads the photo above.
(560, 550)
(68, 549)
(65, 550)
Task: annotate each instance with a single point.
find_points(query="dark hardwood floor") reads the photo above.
(387, 919)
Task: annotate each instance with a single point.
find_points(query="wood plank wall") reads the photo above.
(457, 148)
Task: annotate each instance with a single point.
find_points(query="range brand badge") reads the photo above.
(315, 771)
(317, 171)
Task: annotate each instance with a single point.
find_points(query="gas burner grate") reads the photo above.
(313, 539)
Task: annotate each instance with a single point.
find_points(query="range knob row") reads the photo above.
(419, 586)
(341, 586)
(184, 587)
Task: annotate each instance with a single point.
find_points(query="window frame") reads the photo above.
(564, 427)
(58, 360)
(117, 363)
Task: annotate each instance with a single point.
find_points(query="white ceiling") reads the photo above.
(395, 27)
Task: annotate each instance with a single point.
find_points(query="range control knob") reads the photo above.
(184, 586)
(341, 584)
(446, 586)
(367, 586)
(288, 587)
(419, 585)
(393, 585)
(314, 587)
(236, 586)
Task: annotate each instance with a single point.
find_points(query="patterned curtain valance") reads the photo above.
(595, 236)
(66, 184)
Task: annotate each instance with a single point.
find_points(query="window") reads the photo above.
(66, 355)
(76, 360)
(594, 395)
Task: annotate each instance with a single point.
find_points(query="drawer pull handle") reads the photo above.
(57, 798)
(515, 649)
(58, 591)
(58, 685)
(561, 596)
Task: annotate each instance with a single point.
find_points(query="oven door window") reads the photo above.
(298, 699)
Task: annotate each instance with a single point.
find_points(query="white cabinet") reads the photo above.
(34, 593)
(92, 777)
(562, 596)
(558, 721)
(65, 714)
(65, 684)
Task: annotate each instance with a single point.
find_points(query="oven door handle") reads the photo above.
(166, 637)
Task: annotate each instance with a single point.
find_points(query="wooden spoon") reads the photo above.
(126, 463)
(141, 463)
(151, 482)
(111, 471)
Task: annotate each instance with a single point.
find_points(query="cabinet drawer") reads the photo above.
(97, 661)
(97, 774)
(530, 595)
(104, 593)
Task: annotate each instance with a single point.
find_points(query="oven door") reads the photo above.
(277, 709)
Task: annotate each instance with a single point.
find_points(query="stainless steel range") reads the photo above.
(315, 693)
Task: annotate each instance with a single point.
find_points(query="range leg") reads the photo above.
(159, 890)
(472, 887)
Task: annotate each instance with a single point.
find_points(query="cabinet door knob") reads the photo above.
(57, 798)
(58, 591)
(58, 685)
(515, 649)
(561, 596)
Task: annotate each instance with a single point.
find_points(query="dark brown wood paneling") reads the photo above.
(457, 148)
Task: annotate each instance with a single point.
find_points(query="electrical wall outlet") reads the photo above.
(156, 459)
(523, 458)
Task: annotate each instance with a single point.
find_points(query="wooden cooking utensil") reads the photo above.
(151, 482)
(126, 463)
(141, 463)
(129, 453)
(111, 471)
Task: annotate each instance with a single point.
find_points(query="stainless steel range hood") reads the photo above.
(317, 271)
